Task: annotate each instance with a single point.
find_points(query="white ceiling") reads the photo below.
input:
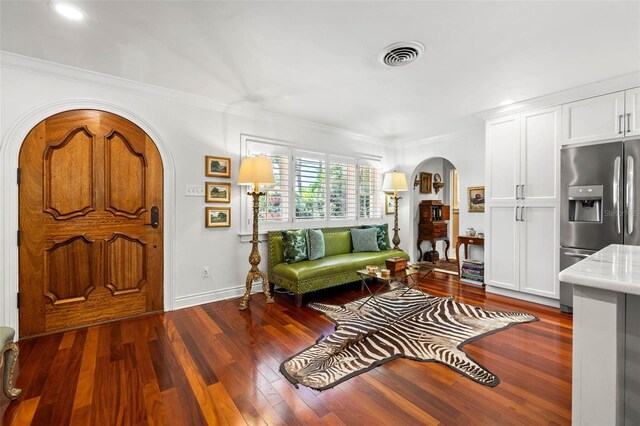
(319, 60)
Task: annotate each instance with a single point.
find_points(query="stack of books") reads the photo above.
(472, 272)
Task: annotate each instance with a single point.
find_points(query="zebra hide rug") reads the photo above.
(417, 326)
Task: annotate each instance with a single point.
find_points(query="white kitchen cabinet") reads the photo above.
(501, 241)
(539, 267)
(503, 159)
(612, 116)
(632, 112)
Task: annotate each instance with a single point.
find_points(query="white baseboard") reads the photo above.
(182, 302)
(524, 296)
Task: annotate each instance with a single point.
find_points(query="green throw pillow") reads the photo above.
(315, 244)
(383, 235)
(364, 239)
(295, 245)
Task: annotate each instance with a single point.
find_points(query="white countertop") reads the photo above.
(615, 268)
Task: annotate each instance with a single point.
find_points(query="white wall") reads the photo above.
(191, 127)
(465, 150)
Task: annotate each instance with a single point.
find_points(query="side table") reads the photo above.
(467, 241)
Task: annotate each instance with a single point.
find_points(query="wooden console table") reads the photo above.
(467, 241)
(433, 226)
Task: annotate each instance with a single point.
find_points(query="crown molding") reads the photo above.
(28, 64)
(589, 90)
(411, 143)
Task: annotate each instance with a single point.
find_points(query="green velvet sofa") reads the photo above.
(338, 267)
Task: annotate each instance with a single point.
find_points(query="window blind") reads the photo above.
(369, 185)
(342, 190)
(309, 188)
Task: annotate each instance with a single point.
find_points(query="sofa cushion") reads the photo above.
(337, 243)
(315, 244)
(309, 269)
(364, 239)
(383, 235)
(295, 245)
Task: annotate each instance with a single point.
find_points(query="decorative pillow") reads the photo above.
(364, 239)
(383, 235)
(295, 246)
(315, 244)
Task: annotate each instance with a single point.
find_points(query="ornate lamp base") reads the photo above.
(255, 274)
(396, 237)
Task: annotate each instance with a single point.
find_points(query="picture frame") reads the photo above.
(425, 182)
(388, 204)
(217, 192)
(217, 217)
(217, 166)
(476, 199)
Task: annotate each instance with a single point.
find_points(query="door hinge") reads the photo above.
(18, 238)
(18, 299)
(19, 178)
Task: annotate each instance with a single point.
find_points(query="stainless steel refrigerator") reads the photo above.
(599, 202)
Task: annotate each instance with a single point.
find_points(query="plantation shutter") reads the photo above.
(274, 206)
(369, 184)
(342, 189)
(309, 187)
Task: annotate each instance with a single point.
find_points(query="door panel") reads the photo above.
(632, 112)
(503, 159)
(594, 119)
(501, 239)
(540, 156)
(538, 252)
(89, 181)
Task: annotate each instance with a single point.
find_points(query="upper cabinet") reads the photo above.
(611, 116)
(503, 158)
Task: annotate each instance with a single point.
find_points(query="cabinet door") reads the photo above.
(593, 119)
(501, 248)
(503, 159)
(538, 251)
(632, 112)
(540, 147)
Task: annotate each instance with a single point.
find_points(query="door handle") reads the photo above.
(629, 195)
(628, 122)
(155, 217)
(616, 192)
(566, 253)
(620, 124)
(522, 215)
(517, 220)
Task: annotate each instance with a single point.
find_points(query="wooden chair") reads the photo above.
(8, 358)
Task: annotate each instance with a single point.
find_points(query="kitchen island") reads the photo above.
(606, 337)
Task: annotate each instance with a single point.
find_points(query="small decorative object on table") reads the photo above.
(372, 269)
(385, 273)
(396, 263)
(471, 231)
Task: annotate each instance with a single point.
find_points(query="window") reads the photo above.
(315, 187)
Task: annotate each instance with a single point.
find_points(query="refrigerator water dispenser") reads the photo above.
(585, 203)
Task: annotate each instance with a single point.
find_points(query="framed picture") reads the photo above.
(217, 217)
(425, 183)
(217, 166)
(217, 192)
(388, 204)
(476, 199)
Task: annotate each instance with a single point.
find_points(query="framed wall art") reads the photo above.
(388, 203)
(217, 217)
(217, 166)
(425, 183)
(217, 192)
(476, 199)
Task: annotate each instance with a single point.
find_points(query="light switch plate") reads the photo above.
(194, 190)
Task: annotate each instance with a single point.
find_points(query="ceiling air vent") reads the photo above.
(403, 53)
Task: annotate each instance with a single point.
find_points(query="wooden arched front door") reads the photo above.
(90, 185)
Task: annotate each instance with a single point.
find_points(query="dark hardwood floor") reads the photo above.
(214, 364)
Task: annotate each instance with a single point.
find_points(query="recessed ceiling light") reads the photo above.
(68, 11)
(506, 102)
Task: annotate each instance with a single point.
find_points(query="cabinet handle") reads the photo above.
(620, 124)
(522, 215)
(628, 122)
(517, 208)
(522, 196)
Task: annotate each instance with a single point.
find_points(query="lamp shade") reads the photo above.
(256, 170)
(394, 181)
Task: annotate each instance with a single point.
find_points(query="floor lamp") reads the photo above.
(255, 171)
(395, 182)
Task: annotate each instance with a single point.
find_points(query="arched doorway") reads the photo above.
(90, 222)
(442, 186)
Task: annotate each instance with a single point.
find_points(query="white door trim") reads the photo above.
(9, 151)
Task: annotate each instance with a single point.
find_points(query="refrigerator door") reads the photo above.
(568, 257)
(631, 195)
(592, 167)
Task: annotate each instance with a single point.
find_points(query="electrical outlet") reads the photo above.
(205, 272)
(194, 190)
